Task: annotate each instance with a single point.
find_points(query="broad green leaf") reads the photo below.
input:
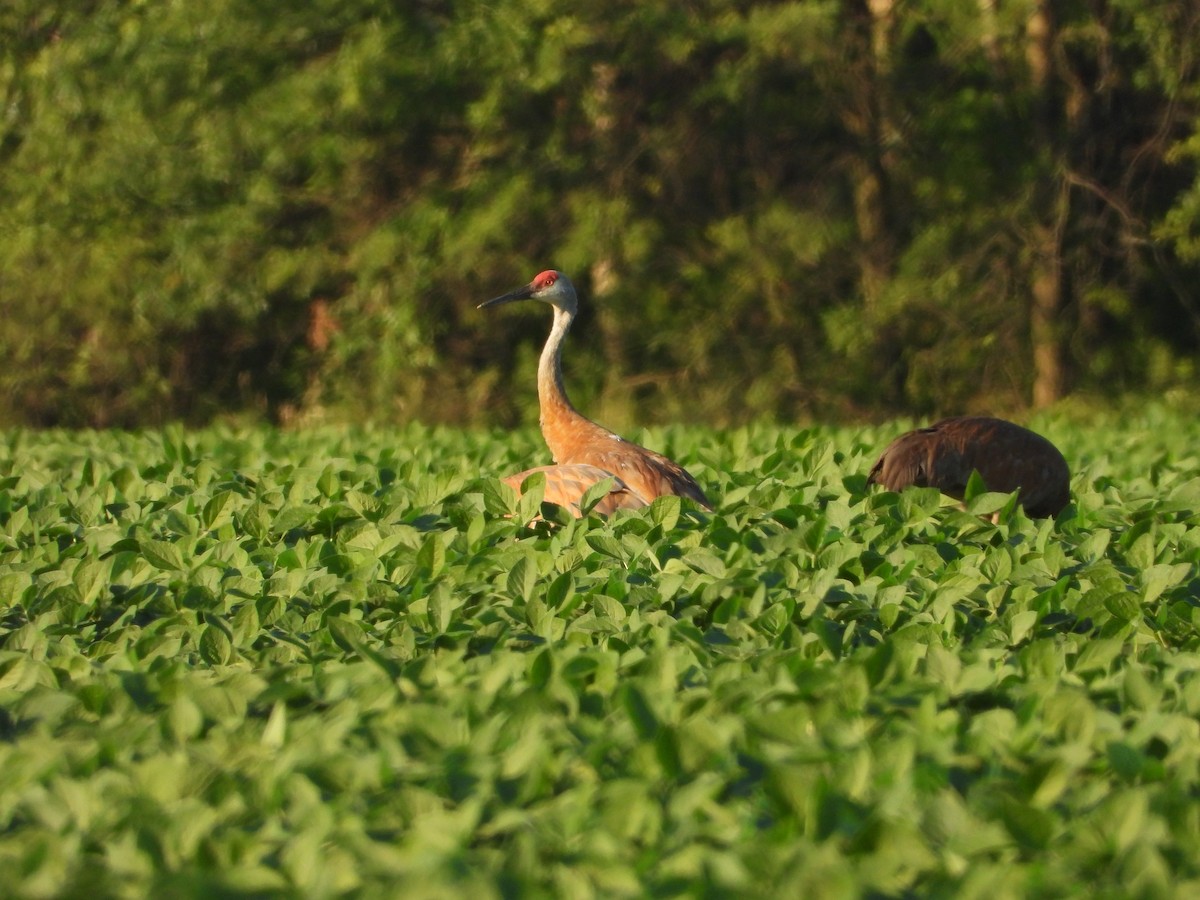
(665, 510)
(560, 592)
(329, 484)
(983, 503)
(215, 647)
(17, 520)
(162, 554)
(441, 610)
(541, 668)
(705, 562)
(292, 517)
(216, 509)
(1125, 605)
(606, 544)
(533, 489)
(245, 626)
(594, 494)
(256, 521)
(432, 555)
(1021, 624)
(1156, 579)
(522, 578)
(12, 587)
(345, 634)
(184, 718)
(499, 499)
(1096, 654)
(1032, 828)
(89, 577)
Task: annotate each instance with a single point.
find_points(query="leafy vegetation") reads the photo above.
(800, 210)
(258, 663)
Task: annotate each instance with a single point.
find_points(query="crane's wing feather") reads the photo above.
(566, 485)
(647, 473)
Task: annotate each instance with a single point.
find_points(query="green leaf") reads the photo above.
(215, 647)
(441, 610)
(595, 493)
(975, 488)
(706, 562)
(499, 499)
(13, 586)
(329, 484)
(1125, 605)
(256, 521)
(560, 592)
(533, 489)
(345, 633)
(184, 719)
(522, 578)
(292, 517)
(1097, 654)
(432, 555)
(1158, 578)
(985, 503)
(162, 555)
(605, 543)
(17, 521)
(639, 711)
(216, 509)
(665, 510)
(1021, 624)
(275, 733)
(245, 628)
(541, 668)
(349, 636)
(1031, 827)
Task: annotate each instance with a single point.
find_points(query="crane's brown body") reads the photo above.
(566, 485)
(1007, 457)
(573, 439)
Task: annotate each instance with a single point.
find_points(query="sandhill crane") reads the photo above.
(1007, 457)
(575, 440)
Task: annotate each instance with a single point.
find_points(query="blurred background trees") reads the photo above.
(817, 209)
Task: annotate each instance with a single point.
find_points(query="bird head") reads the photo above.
(550, 287)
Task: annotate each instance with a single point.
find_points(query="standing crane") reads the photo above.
(583, 451)
(1006, 456)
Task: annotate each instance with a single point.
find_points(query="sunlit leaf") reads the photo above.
(162, 554)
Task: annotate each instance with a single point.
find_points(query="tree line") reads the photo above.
(790, 210)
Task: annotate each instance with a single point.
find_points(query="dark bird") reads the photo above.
(1007, 457)
(576, 441)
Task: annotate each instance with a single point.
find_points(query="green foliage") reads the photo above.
(325, 662)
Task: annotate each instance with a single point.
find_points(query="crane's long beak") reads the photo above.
(522, 293)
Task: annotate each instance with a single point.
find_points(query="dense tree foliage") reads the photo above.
(823, 207)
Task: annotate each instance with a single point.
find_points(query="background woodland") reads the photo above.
(827, 209)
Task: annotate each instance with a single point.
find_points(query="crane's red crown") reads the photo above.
(543, 280)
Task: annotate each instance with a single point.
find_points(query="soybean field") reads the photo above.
(323, 663)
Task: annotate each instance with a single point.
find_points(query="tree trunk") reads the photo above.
(1045, 314)
(865, 116)
(877, 251)
(1048, 299)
